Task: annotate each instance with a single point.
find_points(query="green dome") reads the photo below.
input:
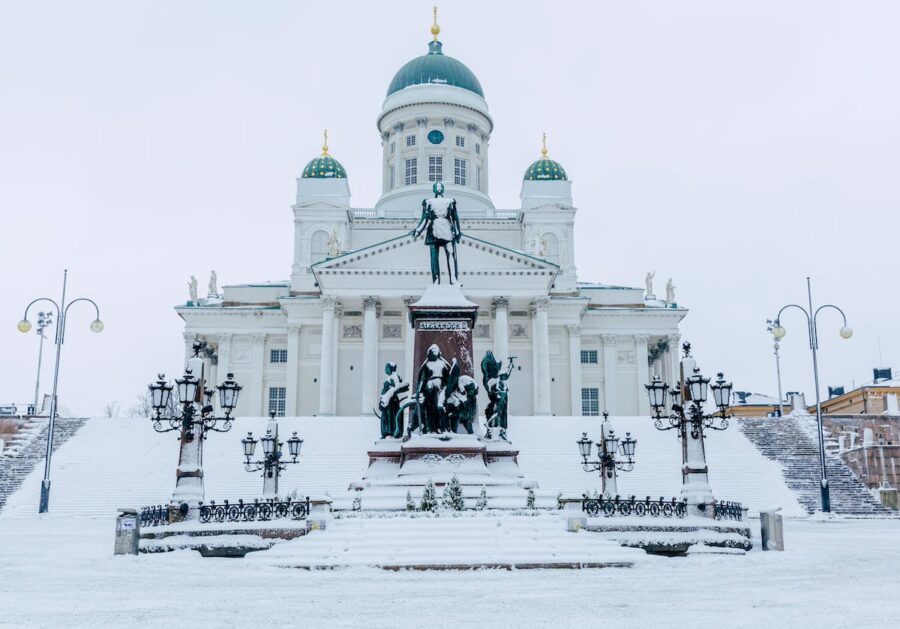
(435, 68)
(324, 167)
(545, 169)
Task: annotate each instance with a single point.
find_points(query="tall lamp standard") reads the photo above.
(691, 422)
(44, 321)
(606, 462)
(197, 418)
(778, 332)
(62, 312)
(770, 325)
(271, 463)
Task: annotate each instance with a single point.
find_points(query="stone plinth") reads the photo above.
(444, 317)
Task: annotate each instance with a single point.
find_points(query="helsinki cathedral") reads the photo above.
(317, 343)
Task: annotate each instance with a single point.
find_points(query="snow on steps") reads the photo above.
(447, 543)
(26, 452)
(787, 441)
(116, 462)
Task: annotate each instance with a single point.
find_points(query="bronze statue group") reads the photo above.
(444, 398)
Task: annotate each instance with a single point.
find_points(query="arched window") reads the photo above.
(551, 247)
(318, 246)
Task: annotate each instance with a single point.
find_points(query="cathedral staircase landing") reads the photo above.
(27, 449)
(784, 440)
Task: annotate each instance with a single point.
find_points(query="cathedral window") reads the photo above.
(459, 172)
(393, 147)
(590, 401)
(551, 247)
(477, 149)
(391, 176)
(410, 140)
(410, 171)
(478, 177)
(278, 356)
(460, 141)
(588, 357)
(435, 168)
(277, 397)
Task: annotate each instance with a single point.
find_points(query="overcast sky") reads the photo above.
(735, 147)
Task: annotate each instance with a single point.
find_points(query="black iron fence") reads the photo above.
(240, 511)
(725, 510)
(634, 506)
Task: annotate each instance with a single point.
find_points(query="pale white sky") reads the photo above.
(736, 147)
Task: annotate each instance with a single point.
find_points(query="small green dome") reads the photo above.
(545, 169)
(435, 68)
(324, 167)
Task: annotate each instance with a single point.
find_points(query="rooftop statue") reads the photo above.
(440, 222)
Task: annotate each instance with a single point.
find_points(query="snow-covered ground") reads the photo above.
(60, 572)
(118, 462)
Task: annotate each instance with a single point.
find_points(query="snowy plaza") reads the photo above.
(512, 380)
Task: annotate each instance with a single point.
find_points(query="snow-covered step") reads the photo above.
(466, 541)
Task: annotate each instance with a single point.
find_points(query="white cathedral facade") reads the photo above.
(317, 344)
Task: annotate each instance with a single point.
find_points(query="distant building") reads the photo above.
(882, 396)
(747, 404)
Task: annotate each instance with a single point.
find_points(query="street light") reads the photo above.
(607, 463)
(778, 331)
(271, 463)
(44, 320)
(691, 423)
(776, 345)
(24, 326)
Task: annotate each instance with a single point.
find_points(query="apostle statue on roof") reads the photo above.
(440, 222)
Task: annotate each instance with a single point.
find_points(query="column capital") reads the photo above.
(410, 299)
(329, 302)
(449, 122)
(371, 303)
(471, 128)
(258, 337)
(609, 339)
(500, 303)
(398, 127)
(540, 304)
(422, 121)
(641, 338)
(574, 329)
(224, 338)
(294, 328)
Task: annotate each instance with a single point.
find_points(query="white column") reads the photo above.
(335, 351)
(188, 347)
(542, 347)
(370, 354)
(449, 147)
(224, 355)
(610, 365)
(641, 363)
(257, 369)
(501, 328)
(326, 373)
(674, 352)
(575, 367)
(292, 370)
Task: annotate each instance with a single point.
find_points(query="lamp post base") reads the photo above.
(826, 497)
(45, 496)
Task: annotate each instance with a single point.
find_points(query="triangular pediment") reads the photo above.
(402, 264)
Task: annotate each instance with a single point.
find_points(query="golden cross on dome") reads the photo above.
(325, 144)
(435, 29)
(544, 147)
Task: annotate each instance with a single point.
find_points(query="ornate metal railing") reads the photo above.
(154, 515)
(728, 510)
(633, 506)
(256, 511)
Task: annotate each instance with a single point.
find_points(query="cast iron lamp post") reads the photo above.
(197, 418)
(778, 332)
(607, 463)
(691, 424)
(271, 463)
(62, 311)
(770, 326)
(44, 321)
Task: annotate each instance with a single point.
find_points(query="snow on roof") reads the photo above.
(119, 462)
(753, 399)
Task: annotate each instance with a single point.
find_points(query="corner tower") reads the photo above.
(434, 126)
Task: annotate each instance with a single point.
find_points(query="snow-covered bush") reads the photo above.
(357, 503)
(481, 503)
(529, 501)
(453, 495)
(429, 497)
(410, 503)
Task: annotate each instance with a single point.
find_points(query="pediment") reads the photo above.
(402, 264)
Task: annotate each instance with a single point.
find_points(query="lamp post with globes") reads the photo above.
(778, 332)
(607, 463)
(770, 325)
(271, 464)
(44, 321)
(197, 418)
(688, 418)
(62, 313)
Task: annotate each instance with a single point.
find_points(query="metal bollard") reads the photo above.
(771, 530)
(128, 532)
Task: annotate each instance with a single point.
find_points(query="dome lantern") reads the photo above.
(545, 169)
(324, 166)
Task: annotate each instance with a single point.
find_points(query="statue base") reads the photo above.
(444, 317)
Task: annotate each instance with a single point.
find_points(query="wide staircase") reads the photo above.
(784, 440)
(27, 448)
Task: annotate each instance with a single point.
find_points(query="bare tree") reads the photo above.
(111, 409)
(143, 406)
